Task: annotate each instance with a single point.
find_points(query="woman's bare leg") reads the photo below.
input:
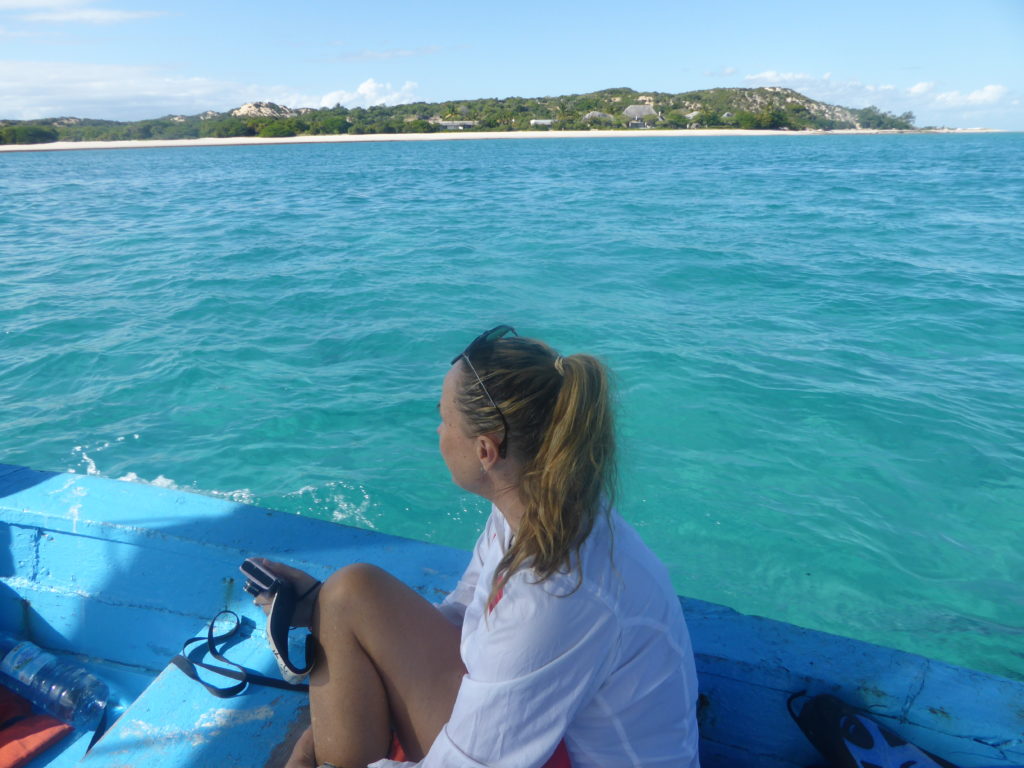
(302, 752)
(386, 658)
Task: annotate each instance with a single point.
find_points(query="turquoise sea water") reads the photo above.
(818, 342)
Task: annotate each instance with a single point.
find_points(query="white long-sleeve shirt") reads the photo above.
(608, 667)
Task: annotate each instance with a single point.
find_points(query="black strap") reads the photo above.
(244, 676)
(789, 704)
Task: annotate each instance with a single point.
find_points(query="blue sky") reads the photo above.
(958, 64)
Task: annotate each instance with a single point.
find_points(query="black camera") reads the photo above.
(258, 579)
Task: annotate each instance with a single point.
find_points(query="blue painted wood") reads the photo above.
(100, 547)
(748, 666)
(121, 574)
(175, 722)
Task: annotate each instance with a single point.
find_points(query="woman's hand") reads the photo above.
(300, 581)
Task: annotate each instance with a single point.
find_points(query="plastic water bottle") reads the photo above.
(57, 686)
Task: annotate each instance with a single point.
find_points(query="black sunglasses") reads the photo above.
(488, 337)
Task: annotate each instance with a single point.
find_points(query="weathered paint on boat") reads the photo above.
(121, 574)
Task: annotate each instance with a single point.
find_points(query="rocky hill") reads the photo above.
(756, 100)
(763, 108)
(267, 109)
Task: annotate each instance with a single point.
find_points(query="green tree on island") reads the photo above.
(750, 108)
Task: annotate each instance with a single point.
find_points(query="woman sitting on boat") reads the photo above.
(563, 643)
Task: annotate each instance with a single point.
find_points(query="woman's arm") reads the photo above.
(454, 605)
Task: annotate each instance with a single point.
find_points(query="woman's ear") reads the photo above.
(487, 451)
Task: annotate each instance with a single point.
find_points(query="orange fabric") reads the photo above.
(12, 705)
(560, 759)
(27, 737)
(496, 599)
(21, 742)
(396, 752)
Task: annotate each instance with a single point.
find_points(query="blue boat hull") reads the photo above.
(121, 574)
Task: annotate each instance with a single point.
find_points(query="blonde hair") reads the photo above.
(561, 429)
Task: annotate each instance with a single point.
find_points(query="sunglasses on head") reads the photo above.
(488, 337)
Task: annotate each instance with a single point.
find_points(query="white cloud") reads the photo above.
(33, 89)
(33, 5)
(723, 72)
(846, 93)
(371, 93)
(771, 77)
(72, 11)
(990, 94)
(854, 93)
(391, 53)
(91, 15)
(988, 104)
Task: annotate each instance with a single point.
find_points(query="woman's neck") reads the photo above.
(509, 503)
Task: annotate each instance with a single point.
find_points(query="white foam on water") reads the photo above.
(335, 498)
(240, 495)
(90, 464)
(91, 467)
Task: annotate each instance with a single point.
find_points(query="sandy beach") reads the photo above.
(445, 136)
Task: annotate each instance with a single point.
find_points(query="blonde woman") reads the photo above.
(562, 645)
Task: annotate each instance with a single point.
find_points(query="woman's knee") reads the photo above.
(352, 586)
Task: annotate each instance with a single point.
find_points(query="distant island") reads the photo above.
(780, 109)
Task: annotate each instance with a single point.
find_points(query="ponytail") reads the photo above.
(561, 428)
